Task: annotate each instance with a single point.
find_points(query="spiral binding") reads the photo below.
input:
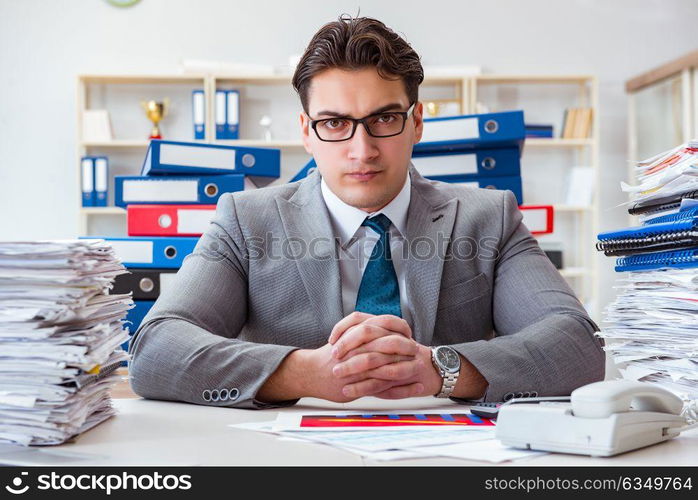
(660, 207)
(684, 238)
(680, 258)
(677, 217)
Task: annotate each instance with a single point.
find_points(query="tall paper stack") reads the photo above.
(651, 328)
(60, 336)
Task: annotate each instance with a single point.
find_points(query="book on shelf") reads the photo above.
(577, 123)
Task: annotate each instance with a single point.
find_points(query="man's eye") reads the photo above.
(334, 124)
(387, 118)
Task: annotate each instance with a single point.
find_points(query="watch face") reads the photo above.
(448, 358)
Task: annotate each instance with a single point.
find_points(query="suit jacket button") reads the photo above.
(224, 394)
(233, 394)
(215, 395)
(206, 395)
(508, 396)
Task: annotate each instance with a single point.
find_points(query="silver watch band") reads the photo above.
(448, 385)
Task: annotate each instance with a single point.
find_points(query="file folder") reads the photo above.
(658, 260)
(203, 190)
(220, 114)
(134, 318)
(101, 179)
(169, 220)
(189, 158)
(305, 171)
(152, 252)
(483, 162)
(88, 181)
(538, 218)
(650, 238)
(198, 106)
(512, 184)
(458, 133)
(144, 284)
(232, 114)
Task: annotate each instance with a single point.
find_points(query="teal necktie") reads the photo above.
(379, 292)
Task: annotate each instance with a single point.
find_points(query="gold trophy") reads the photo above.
(156, 111)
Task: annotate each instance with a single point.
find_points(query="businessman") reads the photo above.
(364, 279)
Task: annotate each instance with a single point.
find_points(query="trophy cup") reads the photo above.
(156, 111)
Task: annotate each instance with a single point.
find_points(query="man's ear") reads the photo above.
(417, 115)
(305, 132)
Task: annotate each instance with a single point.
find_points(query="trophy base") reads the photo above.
(155, 137)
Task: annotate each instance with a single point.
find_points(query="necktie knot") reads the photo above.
(379, 223)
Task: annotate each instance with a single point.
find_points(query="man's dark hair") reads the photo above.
(353, 43)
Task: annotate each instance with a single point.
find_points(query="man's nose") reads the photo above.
(362, 146)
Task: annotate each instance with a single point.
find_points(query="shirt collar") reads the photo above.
(348, 219)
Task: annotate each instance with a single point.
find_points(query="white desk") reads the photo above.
(161, 433)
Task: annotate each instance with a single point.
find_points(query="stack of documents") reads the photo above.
(651, 328)
(60, 336)
(395, 436)
(664, 178)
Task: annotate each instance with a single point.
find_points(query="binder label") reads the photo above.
(140, 252)
(187, 156)
(446, 165)
(451, 130)
(193, 221)
(160, 190)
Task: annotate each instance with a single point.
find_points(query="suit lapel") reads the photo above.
(430, 220)
(307, 222)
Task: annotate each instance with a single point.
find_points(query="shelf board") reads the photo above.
(534, 79)
(572, 208)
(142, 79)
(556, 142)
(573, 272)
(258, 143)
(134, 144)
(102, 211)
(117, 143)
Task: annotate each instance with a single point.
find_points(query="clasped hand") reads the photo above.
(369, 355)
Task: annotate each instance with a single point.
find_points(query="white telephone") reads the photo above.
(602, 419)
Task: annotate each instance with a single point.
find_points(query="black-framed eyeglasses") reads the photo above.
(386, 124)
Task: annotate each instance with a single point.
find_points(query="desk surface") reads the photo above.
(163, 433)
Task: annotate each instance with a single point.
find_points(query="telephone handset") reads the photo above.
(601, 419)
(602, 399)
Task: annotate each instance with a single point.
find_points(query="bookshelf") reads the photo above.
(121, 94)
(546, 164)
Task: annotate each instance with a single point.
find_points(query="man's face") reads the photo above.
(365, 172)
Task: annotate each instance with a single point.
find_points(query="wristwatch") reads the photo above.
(447, 362)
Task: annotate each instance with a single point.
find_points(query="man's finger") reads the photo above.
(390, 344)
(358, 335)
(402, 370)
(391, 322)
(402, 391)
(350, 320)
(365, 362)
(366, 387)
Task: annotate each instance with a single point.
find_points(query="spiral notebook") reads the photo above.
(662, 205)
(676, 234)
(658, 260)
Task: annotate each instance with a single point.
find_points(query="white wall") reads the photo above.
(45, 43)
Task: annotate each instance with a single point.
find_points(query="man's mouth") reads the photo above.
(363, 175)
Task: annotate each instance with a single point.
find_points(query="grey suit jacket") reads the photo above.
(264, 280)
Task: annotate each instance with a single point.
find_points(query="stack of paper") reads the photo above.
(60, 337)
(395, 436)
(653, 329)
(665, 175)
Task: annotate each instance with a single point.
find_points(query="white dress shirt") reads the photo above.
(357, 243)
